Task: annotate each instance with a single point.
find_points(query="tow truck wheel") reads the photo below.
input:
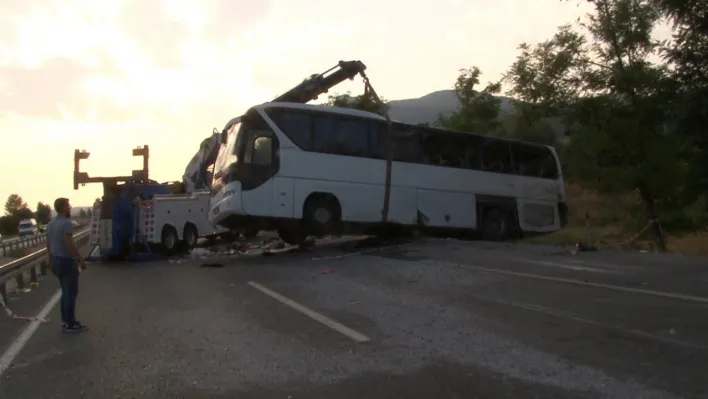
(170, 240)
(190, 236)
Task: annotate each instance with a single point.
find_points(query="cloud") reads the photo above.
(42, 91)
(156, 33)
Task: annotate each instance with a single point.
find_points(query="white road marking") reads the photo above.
(671, 295)
(571, 316)
(19, 343)
(567, 266)
(341, 328)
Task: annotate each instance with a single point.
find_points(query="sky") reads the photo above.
(107, 76)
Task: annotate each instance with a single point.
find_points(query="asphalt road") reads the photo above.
(431, 319)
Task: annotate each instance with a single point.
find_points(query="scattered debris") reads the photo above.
(211, 265)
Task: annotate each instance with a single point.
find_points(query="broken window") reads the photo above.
(406, 142)
(496, 156)
(444, 149)
(534, 160)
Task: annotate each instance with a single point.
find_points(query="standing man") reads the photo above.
(63, 258)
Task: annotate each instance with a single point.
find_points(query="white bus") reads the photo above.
(309, 169)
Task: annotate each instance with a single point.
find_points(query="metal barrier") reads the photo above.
(31, 266)
(6, 247)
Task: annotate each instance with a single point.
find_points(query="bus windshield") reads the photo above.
(227, 153)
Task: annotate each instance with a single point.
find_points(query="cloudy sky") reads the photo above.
(109, 75)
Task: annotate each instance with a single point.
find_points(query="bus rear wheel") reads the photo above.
(496, 225)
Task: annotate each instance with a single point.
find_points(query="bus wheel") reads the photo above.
(496, 225)
(191, 236)
(321, 214)
(170, 240)
(292, 236)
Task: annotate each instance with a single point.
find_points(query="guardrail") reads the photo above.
(6, 247)
(10, 244)
(30, 267)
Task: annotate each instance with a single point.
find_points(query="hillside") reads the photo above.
(428, 107)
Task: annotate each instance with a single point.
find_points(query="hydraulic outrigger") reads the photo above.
(113, 219)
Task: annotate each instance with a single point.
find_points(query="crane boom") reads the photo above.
(319, 84)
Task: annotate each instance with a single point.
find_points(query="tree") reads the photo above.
(82, 214)
(688, 54)
(44, 213)
(612, 97)
(478, 110)
(14, 205)
(363, 102)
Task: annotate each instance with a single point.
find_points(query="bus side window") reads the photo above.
(295, 124)
(407, 145)
(473, 151)
(262, 150)
(496, 156)
(534, 161)
(441, 149)
(259, 149)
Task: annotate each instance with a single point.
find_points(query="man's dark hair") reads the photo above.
(60, 204)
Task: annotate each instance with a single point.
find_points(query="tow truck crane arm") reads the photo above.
(317, 84)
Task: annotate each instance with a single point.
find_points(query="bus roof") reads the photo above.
(325, 108)
(371, 115)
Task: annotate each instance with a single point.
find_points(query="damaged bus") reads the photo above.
(306, 169)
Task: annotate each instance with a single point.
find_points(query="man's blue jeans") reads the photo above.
(67, 270)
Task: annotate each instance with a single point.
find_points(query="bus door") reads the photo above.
(260, 163)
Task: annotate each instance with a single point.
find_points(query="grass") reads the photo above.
(607, 223)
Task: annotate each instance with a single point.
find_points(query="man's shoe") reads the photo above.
(76, 327)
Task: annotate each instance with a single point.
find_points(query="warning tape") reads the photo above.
(12, 314)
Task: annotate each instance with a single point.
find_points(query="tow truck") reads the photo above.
(134, 218)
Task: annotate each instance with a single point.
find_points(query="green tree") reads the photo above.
(478, 110)
(613, 98)
(43, 213)
(82, 214)
(364, 102)
(687, 53)
(14, 205)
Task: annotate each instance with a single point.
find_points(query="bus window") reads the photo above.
(443, 149)
(295, 124)
(496, 156)
(534, 161)
(473, 146)
(262, 150)
(337, 134)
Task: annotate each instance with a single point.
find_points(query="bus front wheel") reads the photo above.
(321, 214)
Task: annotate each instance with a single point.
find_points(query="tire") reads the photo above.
(191, 236)
(496, 225)
(321, 216)
(170, 240)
